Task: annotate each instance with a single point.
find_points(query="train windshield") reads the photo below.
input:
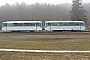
(82, 24)
(4, 24)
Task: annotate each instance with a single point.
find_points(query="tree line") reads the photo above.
(38, 11)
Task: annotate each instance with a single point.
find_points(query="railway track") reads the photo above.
(45, 33)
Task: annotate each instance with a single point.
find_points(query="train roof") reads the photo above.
(23, 22)
(63, 21)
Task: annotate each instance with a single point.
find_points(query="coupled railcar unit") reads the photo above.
(64, 25)
(22, 26)
(49, 25)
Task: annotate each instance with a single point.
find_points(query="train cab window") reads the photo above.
(15, 24)
(4, 24)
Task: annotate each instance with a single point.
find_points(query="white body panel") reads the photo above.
(64, 27)
(19, 28)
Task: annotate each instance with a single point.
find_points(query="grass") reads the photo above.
(43, 56)
(46, 42)
(46, 45)
(41, 37)
(0, 30)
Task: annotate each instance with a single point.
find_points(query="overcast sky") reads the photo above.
(3, 2)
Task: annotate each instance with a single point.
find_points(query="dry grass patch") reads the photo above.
(43, 56)
(46, 42)
(46, 45)
(41, 37)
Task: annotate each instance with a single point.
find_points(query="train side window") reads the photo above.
(26, 24)
(54, 24)
(15, 24)
(58, 24)
(71, 24)
(65, 24)
(9, 24)
(61, 24)
(32, 24)
(49, 24)
(20, 24)
(38, 24)
(46, 24)
(76, 24)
